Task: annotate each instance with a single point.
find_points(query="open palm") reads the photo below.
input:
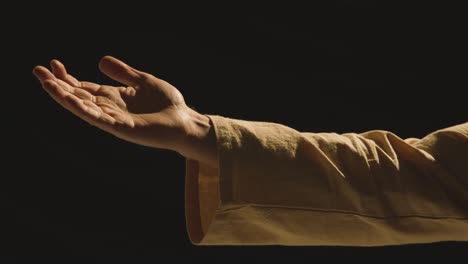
(147, 110)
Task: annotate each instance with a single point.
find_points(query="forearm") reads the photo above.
(199, 142)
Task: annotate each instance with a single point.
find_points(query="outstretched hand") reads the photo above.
(146, 111)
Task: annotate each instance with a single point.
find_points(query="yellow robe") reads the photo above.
(277, 186)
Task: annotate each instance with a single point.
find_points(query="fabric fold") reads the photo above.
(277, 186)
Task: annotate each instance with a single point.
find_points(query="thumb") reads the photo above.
(121, 72)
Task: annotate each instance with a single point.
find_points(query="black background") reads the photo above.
(76, 194)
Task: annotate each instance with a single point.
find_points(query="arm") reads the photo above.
(275, 185)
(264, 183)
(200, 142)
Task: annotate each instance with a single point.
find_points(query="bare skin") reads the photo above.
(146, 110)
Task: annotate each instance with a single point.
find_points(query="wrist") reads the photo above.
(199, 139)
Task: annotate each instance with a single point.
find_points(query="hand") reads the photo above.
(146, 111)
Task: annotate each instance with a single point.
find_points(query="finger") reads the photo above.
(83, 109)
(76, 106)
(56, 92)
(128, 91)
(60, 72)
(65, 86)
(90, 87)
(80, 93)
(92, 105)
(121, 72)
(85, 95)
(58, 69)
(110, 113)
(43, 74)
(89, 114)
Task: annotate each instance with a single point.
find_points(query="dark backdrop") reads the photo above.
(77, 194)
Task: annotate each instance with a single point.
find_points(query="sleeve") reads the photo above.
(276, 186)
